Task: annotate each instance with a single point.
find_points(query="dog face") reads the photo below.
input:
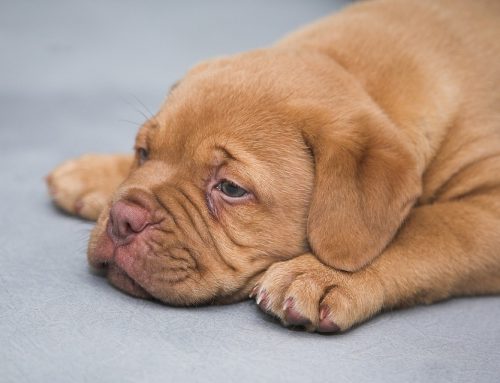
(233, 175)
(219, 190)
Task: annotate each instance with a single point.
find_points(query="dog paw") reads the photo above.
(83, 186)
(304, 292)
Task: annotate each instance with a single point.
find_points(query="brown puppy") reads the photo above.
(353, 167)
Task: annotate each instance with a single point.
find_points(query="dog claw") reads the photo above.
(263, 300)
(288, 303)
(259, 298)
(78, 206)
(254, 291)
(325, 323)
(292, 316)
(323, 312)
(328, 326)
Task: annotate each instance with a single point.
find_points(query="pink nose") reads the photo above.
(126, 220)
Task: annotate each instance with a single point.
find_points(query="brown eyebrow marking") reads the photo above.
(227, 154)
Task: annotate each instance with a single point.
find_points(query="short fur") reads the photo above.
(370, 144)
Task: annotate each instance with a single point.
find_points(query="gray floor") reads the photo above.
(73, 78)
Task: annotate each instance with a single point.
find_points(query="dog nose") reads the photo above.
(127, 219)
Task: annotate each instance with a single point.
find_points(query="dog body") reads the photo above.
(352, 167)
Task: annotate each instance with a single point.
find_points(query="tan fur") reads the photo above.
(84, 185)
(371, 143)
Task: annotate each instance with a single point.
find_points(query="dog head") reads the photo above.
(252, 160)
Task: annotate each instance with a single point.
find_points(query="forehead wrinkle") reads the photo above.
(228, 150)
(247, 164)
(225, 152)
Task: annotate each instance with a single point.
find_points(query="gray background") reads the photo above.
(73, 78)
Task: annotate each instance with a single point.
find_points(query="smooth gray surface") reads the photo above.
(71, 74)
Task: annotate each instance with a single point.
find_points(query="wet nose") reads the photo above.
(126, 220)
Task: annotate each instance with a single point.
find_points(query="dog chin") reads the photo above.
(119, 279)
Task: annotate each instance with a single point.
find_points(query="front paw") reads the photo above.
(305, 292)
(83, 186)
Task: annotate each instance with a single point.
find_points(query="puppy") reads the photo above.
(350, 168)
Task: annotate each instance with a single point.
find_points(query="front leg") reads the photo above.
(443, 250)
(83, 186)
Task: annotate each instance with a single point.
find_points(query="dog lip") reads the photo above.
(121, 280)
(116, 275)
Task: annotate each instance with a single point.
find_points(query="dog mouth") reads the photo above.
(140, 268)
(120, 279)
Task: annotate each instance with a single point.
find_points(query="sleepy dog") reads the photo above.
(352, 167)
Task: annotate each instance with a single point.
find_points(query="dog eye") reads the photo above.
(143, 155)
(231, 189)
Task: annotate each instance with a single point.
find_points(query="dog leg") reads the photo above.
(83, 186)
(445, 249)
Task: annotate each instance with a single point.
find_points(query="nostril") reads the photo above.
(127, 219)
(128, 228)
(122, 229)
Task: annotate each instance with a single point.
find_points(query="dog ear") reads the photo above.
(366, 181)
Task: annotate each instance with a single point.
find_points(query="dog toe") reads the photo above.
(304, 292)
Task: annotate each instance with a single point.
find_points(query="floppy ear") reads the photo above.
(366, 181)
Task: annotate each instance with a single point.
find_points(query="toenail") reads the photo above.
(327, 325)
(78, 206)
(263, 300)
(288, 303)
(323, 312)
(292, 316)
(260, 296)
(254, 291)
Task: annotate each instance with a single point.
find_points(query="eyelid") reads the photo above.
(247, 196)
(227, 172)
(143, 138)
(138, 148)
(231, 182)
(141, 145)
(142, 154)
(217, 185)
(228, 169)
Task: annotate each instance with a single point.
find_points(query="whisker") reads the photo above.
(135, 123)
(146, 117)
(153, 115)
(143, 105)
